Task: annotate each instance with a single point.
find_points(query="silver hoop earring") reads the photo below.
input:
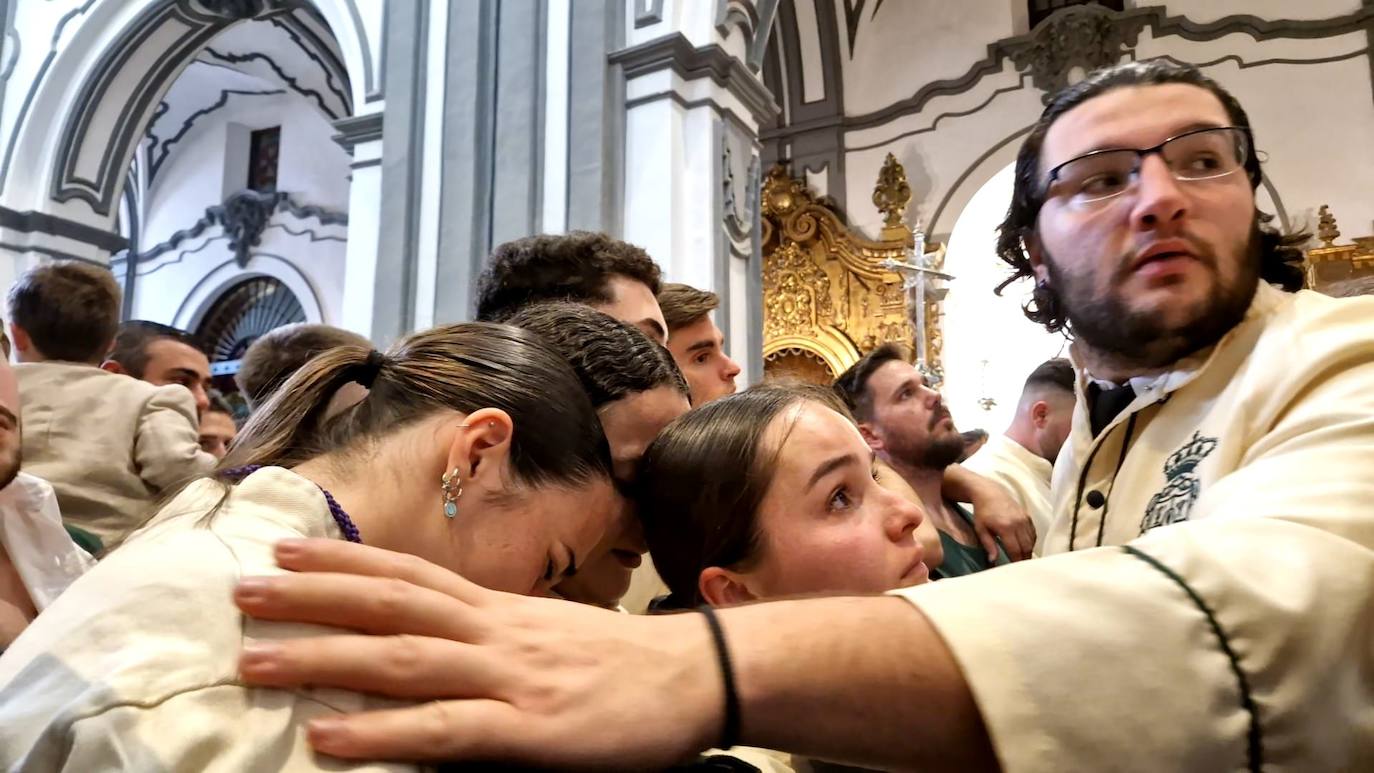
(452, 487)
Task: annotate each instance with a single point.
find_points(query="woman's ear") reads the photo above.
(722, 587)
(481, 447)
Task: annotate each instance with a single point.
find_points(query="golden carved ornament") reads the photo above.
(797, 364)
(796, 293)
(891, 196)
(1327, 232)
(1339, 269)
(826, 297)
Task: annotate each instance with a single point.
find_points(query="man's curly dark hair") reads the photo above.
(612, 359)
(576, 266)
(1280, 254)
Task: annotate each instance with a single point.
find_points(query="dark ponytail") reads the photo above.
(465, 367)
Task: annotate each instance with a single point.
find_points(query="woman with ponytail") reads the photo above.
(470, 446)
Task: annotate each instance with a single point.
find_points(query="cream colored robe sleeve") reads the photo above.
(205, 730)
(1243, 638)
(167, 447)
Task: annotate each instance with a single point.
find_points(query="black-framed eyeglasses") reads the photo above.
(1200, 154)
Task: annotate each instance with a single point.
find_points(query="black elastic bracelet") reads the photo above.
(729, 732)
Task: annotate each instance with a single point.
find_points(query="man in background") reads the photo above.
(611, 276)
(110, 445)
(908, 426)
(270, 360)
(160, 355)
(217, 427)
(697, 344)
(1023, 458)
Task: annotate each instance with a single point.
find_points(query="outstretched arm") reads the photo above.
(546, 682)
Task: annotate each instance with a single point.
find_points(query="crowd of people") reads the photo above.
(1164, 562)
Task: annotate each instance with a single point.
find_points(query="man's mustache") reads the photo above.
(1195, 245)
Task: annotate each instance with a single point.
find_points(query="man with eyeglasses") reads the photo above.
(1222, 455)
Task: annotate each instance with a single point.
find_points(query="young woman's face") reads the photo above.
(631, 424)
(825, 525)
(528, 541)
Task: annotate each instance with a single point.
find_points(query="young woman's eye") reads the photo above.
(874, 474)
(840, 499)
(548, 571)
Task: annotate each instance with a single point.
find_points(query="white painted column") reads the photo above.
(363, 136)
(558, 33)
(691, 100)
(431, 168)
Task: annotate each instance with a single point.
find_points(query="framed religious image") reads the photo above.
(264, 150)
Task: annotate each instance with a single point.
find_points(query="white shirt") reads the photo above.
(40, 549)
(1025, 474)
(1237, 632)
(135, 666)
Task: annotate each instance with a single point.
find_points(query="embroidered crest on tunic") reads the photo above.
(1174, 502)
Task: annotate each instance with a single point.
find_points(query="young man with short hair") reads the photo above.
(697, 344)
(217, 427)
(270, 360)
(108, 444)
(637, 390)
(607, 274)
(1022, 459)
(161, 355)
(591, 269)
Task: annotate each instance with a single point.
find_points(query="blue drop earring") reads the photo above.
(452, 488)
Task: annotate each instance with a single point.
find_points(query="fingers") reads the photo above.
(1027, 540)
(331, 555)
(447, 730)
(412, 667)
(1019, 541)
(988, 540)
(1011, 542)
(370, 604)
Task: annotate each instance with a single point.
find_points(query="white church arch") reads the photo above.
(96, 92)
(228, 274)
(982, 327)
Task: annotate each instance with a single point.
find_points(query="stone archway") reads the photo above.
(97, 91)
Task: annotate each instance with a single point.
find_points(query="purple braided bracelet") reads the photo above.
(346, 525)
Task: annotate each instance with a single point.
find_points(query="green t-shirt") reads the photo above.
(84, 539)
(960, 559)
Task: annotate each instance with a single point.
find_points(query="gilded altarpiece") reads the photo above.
(1339, 269)
(826, 299)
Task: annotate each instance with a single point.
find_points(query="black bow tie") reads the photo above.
(1105, 404)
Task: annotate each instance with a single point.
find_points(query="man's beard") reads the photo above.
(10, 459)
(937, 453)
(942, 451)
(1139, 338)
